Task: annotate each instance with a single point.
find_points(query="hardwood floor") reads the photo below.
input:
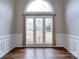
(39, 53)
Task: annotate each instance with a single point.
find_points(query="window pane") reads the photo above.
(39, 6)
(48, 30)
(29, 31)
(39, 32)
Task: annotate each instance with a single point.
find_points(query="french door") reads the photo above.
(39, 31)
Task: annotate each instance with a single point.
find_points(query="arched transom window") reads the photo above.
(39, 6)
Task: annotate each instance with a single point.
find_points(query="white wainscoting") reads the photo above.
(6, 44)
(70, 42)
(59, 40)
(19, 40)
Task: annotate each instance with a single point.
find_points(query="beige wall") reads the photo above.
(6, 17)
(20, 6)
(59, 16)
(72, 17)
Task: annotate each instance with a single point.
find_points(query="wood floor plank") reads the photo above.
(39, 53)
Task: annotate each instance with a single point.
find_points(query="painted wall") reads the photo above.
(58, 4)
(72, 26)
(72, 17)
(7, 24)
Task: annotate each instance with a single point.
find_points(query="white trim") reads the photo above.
(6, 36)
(6, 44)
(3, 54)
(19, 40)
(72, 36)
(59, 40)
(70, 42)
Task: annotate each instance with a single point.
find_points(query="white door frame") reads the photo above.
(38, 15)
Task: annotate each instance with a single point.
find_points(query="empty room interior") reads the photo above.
(39, 29)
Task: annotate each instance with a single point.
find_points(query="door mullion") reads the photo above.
(34, 30)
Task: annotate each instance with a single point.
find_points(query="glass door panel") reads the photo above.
(48, 30)
(29, 31)
(39, 31)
